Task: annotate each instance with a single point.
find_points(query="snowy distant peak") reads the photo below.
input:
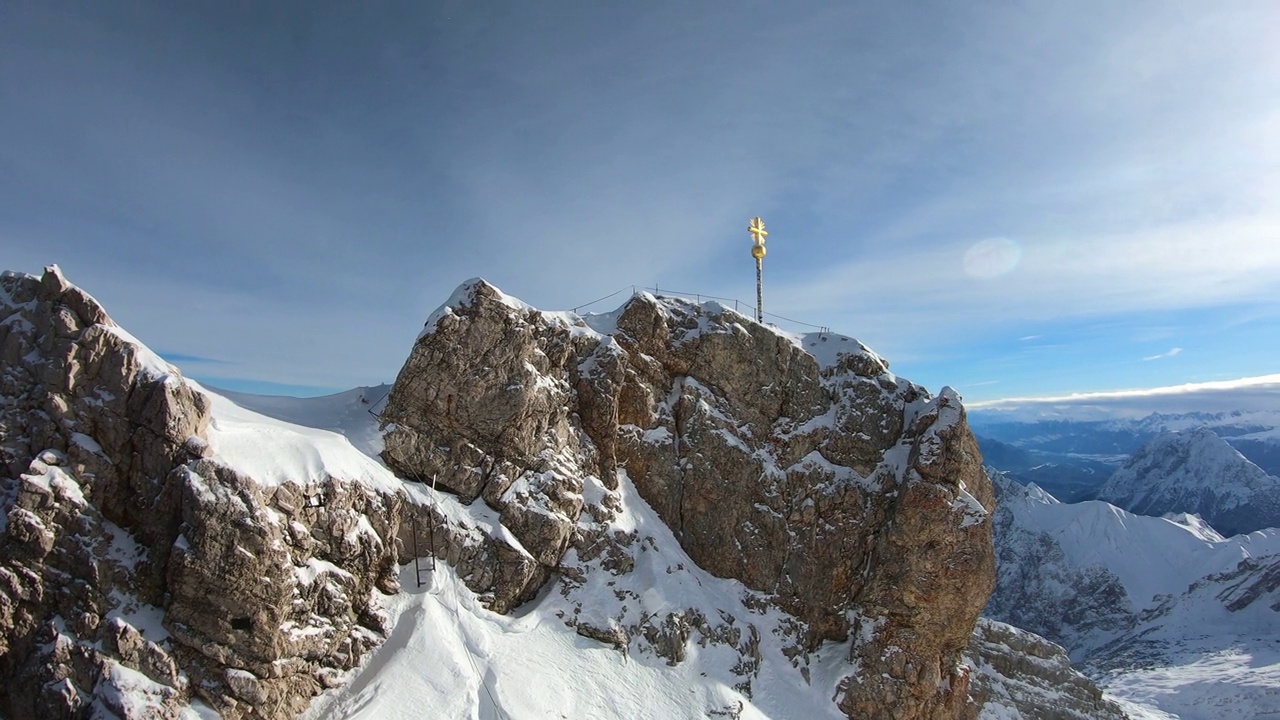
(1241, 422)
(1195, 458)
(1196, 472)
(1009, 490)
(1196, 525)
(1040, 495)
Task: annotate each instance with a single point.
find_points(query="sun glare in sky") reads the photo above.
(991, 258)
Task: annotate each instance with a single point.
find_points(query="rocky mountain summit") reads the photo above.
(166, 553)
(850, 496)
(1196, 472)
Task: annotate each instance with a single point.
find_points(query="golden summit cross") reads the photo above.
(758, 234)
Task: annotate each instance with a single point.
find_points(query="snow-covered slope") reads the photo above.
(273, 450)
(1196, 472)
(448, 656)
(1144, 602)
(1211, 653)
(351, 413)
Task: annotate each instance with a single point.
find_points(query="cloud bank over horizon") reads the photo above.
(1251, 394)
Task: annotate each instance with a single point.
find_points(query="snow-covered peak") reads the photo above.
(1187, 459)
(1040, 495)
(465, 296)
(1196, 525)
(1011, 491)
(1082, 572)
(1196, 472)
(832, 351)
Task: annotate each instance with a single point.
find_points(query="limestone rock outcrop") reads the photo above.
(853, 498)
(1015, 668)
(137, 572)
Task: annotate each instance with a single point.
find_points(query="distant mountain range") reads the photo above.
(1180, 611)
(1070, 478)
(1113, 439)
(1070, 447)
(1162, 610)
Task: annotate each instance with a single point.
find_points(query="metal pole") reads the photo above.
(759, 290)
(432, 530)
(417, 569)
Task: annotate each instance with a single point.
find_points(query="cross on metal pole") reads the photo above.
(758, 234)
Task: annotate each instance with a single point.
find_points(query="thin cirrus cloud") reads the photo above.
(1172, 352)
(176, 357)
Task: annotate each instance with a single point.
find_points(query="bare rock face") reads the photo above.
(271, 599)
(851, 497)
(482, 408)
(137, 573)
(91, 428)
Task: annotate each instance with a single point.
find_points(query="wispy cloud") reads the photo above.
(184, 359)
(1171, 353)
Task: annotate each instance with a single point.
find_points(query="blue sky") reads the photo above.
(1014, 199)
